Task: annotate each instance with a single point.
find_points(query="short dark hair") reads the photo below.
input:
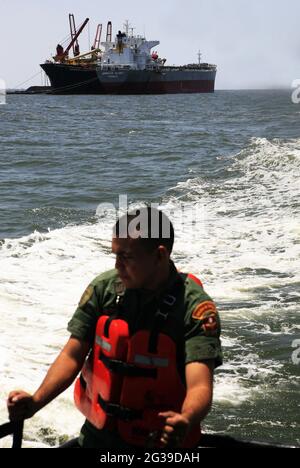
(149, 225)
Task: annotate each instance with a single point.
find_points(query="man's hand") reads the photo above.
(60, 376)
(21, 405)
(199, 379)
(175, 429)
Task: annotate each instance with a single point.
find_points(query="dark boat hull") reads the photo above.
(72, 79)
(167, 81)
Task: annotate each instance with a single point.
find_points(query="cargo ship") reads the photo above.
(126, 64)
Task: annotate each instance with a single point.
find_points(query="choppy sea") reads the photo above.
(234, 157)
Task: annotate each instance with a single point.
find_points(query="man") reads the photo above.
(151, 335)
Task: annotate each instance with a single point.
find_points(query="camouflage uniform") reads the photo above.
(193, 324)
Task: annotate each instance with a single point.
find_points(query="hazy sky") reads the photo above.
(254, 43)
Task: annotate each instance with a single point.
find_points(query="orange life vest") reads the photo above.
(128, 380)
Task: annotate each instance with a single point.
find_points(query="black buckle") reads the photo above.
(169, 300)
(119, 412)
(164, 315)
(119, 367)
(127, 370)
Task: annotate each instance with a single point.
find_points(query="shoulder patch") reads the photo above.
(207, 313)
(86, 296)
(202, 309)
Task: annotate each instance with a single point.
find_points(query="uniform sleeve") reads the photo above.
(83, 323)
(202, 327)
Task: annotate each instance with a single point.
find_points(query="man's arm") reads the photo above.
(60, 376)
(199, 380)
(196, 406)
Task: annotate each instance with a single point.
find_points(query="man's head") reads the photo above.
(143, 242)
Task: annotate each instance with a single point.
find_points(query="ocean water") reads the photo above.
(232, 156)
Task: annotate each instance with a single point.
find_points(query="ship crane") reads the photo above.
(76, 49)
(97, 40)
(64, 54)
(90, 56)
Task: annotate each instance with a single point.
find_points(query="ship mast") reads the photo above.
(199, 57)
(127, 26)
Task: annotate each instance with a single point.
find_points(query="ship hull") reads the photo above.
(166, 81)
(72, 79)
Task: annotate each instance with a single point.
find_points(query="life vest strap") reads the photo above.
(118, 411)
(82, 382)
(127, 370)
(165, 307)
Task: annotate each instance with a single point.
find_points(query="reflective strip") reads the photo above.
(145, 360)
(150, 361)
(104, 345)
(160, 362)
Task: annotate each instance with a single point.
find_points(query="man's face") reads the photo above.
(136, 266)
